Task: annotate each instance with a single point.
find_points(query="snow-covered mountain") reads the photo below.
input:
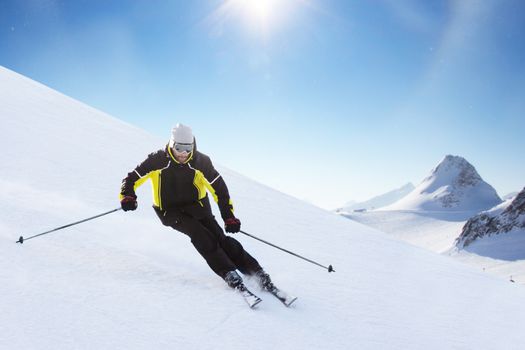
(510, 195)
(506, 220)
(126, 282)
(453, 185)
(377, 201)
(425, 220)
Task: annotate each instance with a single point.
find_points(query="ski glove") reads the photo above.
(232, 225)
(128, 203)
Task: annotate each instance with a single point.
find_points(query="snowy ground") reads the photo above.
(435, 231)
(502, 255)
(125, 281)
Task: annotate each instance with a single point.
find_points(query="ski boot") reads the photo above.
(233, 279)
(264, 280)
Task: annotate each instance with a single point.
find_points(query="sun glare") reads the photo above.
(259, 9)
(262, 13)
(262, 16)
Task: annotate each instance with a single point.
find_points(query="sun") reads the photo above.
(262, 16)
(260, 10)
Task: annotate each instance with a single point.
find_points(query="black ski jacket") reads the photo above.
(180, 187)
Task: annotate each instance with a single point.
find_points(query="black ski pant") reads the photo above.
(222, 253)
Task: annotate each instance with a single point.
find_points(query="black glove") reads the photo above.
(232, 225)
(128, 203)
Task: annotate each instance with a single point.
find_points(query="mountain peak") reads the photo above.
(453, 162)
(455, 170)
(453, 185)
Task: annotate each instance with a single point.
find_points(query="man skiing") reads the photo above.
(181, 178)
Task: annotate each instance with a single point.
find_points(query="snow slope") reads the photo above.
(453, 185)
(378, 201)
(124, 281)
(436, 231)
(498, 232)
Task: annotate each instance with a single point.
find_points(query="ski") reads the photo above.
(283, 297)
(251, 299)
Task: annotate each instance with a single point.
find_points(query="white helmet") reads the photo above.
(181, 134)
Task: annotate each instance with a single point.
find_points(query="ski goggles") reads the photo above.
(183, 147)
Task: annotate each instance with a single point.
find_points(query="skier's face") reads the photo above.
(181, 157)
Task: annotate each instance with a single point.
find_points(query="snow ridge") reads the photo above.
(502, 219)
(378, 201)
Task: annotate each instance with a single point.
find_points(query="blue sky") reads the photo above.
(326, 100)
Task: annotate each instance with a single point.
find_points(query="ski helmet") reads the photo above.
(181, 134)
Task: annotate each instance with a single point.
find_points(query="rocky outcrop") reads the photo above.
(504, 218)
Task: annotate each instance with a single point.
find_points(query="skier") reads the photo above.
(181, 176)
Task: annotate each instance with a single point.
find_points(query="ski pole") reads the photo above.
(329, 268)
(22, 239)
